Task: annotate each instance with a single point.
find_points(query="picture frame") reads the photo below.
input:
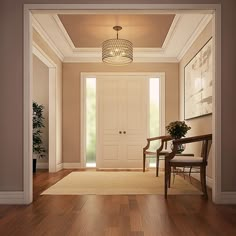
(198, 83)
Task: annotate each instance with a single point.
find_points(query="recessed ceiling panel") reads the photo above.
(144, 31)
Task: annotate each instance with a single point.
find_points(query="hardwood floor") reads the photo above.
(133, 215)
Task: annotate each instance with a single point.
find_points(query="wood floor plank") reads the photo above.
(121, 215)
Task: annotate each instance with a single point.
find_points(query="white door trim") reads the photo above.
(218, 196)
(85, 75)
(162, 77)
(38, 52)
(27, 146)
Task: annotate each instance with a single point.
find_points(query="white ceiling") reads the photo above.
(183, 31)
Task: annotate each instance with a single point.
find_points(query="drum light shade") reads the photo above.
(117, 51)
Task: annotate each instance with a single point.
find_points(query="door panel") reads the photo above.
(136, 119)
(133, 152)
(136, 106)
(109, 106)
(110, 152)
(108, 122)
(122, 121)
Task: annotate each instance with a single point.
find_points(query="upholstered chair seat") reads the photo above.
(187, 159)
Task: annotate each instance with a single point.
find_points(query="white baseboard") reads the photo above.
(42, 165)
(71, 165)
(209, 180)
(12, 197)
(59, 167)
(226, 198)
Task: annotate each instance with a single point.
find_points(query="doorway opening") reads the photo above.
(50, 163)
(27, 81)
(155, 109)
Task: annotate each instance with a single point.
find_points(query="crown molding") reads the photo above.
(140, 59)
(201, 26)
(155, 59)
(38, 52)
(171, 31)
(36, 25)
(63, 31)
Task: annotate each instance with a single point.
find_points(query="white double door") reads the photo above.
(122, 103)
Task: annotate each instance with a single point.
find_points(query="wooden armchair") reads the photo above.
(172, 160)
(158, 153)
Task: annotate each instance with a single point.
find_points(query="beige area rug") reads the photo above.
(118, 183)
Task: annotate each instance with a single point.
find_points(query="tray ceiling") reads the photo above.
(89, 31)
(156, 37)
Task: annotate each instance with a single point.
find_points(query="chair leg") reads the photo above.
(144, 161)
(174, 174)
(169, 176)
(166, 178)
(189, 175)
(203, 180)
(173, 181)
(157, 166)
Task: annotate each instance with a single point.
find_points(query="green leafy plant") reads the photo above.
(38, 124)
(177, 129)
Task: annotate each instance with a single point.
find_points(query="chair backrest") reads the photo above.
(206, 141)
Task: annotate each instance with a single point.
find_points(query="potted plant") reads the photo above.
(38, 124)
(177, 130)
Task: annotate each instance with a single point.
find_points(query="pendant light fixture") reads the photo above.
(117, 51)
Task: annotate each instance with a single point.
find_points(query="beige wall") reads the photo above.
(40, 95)
(71, 97)
(42, 44)
(200, 125)
(11, 87)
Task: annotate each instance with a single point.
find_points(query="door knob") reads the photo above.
(124, 132)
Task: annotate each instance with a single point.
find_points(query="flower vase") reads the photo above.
(180, 148)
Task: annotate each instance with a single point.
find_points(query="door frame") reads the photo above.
(85, 75)
(218, 195)
(52, 69)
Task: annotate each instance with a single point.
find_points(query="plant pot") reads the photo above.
(180, 148)
(34, 165)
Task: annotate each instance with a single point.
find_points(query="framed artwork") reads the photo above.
(198, 84)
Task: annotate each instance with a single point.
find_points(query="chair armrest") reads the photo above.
(164, 140)
(159, 137)
(192, 139)
(149, 140)
(186, 140)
